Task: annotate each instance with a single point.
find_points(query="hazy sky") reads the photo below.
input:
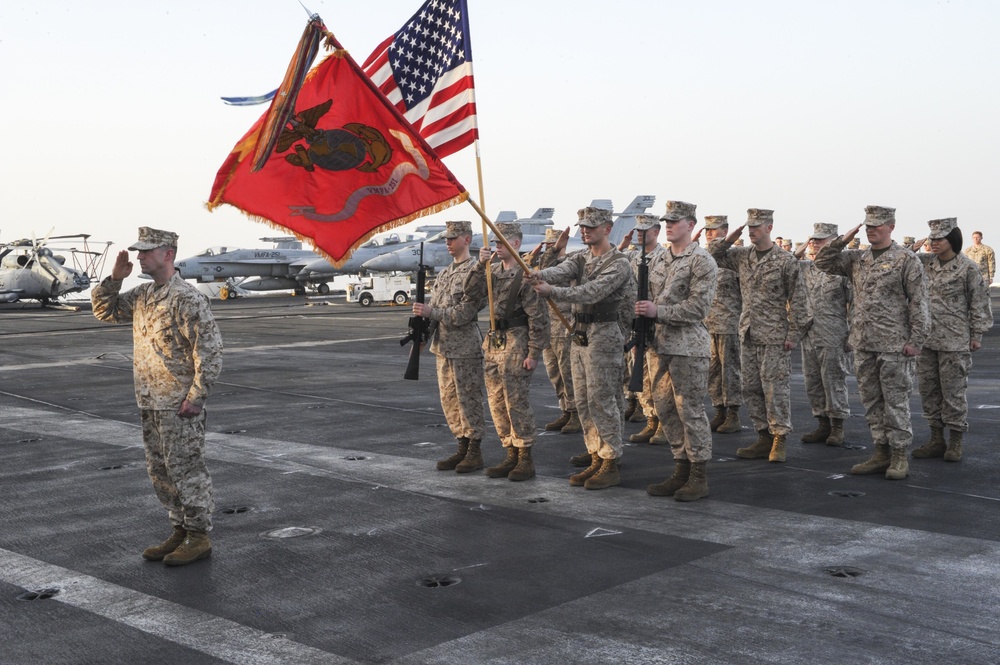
(112, 117)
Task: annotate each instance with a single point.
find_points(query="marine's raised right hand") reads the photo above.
(122, 267)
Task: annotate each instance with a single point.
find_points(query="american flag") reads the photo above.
(425, 69)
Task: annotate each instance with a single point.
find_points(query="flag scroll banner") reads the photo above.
(425, 69)
(345, 165)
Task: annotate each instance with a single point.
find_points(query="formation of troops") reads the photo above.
(722, 322)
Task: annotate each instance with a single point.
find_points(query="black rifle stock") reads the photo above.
(418, 325)
(640, 327)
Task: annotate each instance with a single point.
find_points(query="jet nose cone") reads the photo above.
(384, 263)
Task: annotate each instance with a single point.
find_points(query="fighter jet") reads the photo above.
(286, 265)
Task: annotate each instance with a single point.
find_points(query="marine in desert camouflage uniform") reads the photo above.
(458, 296)
(774, 315)
(682, 286)
(889, 323)
(983, 256)
(558, 365)
(723, 322)
(825, 347)
(177, 358)
(960, 313)
(647, 227)
(511, 353)
(603, 303)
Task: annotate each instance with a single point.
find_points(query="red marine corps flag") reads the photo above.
(344, 164)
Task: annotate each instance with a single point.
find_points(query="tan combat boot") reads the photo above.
(573, 425)
(777, 453)
(581, 460)
(473, 459)
(195, 546)
(933, 448)
(660, 437)
(718, 418)
(157, 552)
(954, 452)
(637, 416)
(820, 434)
(449, 463)
(877, 463)
(760, 448)
(836, 437)
(631, 403)
(525, 465)
(607, 476)
(732, 422)
(898, 466)
(558, 423)
(697, 484)
(644, 435)
(682, 469)
(503, 468)
(579, 479)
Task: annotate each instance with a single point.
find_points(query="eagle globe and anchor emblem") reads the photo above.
(354, 146)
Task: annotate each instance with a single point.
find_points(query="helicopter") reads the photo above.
(31, 270)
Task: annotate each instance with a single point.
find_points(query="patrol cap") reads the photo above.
(940, 228)
(646, 222)
(759, 217)
(456, 229)
(592, 217)
(716, 221)
(822, 231)
(153, 238)
(678, 210)
(551, 235)
(877, 216)
(510, 230)
(909, 240)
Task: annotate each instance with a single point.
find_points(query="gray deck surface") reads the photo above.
(331, 521)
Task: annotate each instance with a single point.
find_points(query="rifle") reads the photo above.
(641, 328)
(418, 325)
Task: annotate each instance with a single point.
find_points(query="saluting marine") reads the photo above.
(960, 313)
(603, 303)
(459, 294)
(177, 357)
(889, 323)
(511, 353)
(774, 314)
(682, 286)
(723, 321)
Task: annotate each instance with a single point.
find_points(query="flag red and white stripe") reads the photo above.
(425, 70)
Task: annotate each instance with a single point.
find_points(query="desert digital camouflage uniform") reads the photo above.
(459, 294)
(774, 311)
(525, 333)
(635, 259)
(889, 311)
(985, 259)
(824, 356)
(960, 313)
(177, 355)
(682, 287)
(723, 323)
(558, 364)
(606, 289)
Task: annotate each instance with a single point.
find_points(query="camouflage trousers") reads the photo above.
(943, 377)
(560, 370)
(460, 384)
(825, 370)
(885, 381)
(175, 461)
(724, 377)
(679, 384)
(507, 391)
(599, 399)
(766, 371)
